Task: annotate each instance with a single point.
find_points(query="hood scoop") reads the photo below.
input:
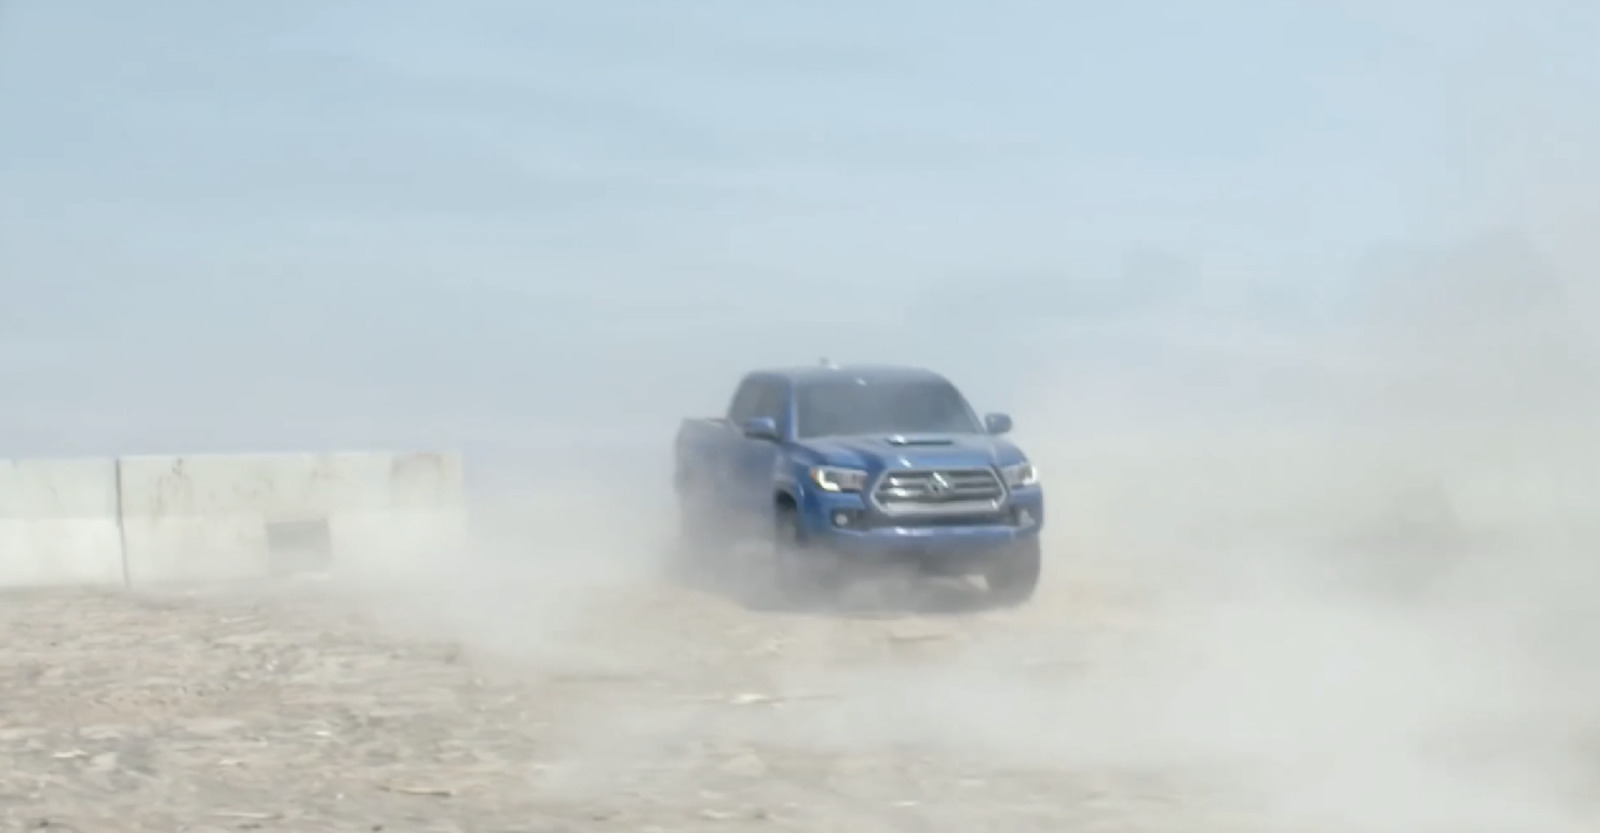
(902, 441)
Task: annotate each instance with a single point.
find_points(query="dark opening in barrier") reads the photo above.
(299, 546)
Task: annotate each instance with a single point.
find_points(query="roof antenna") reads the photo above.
(828, 363)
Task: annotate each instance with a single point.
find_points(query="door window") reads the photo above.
(770, 403)
(745, 400)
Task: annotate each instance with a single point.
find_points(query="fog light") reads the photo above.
(841, 519)
(1024, 518)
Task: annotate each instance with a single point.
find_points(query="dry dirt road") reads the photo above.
(304, 706)
(512, 701)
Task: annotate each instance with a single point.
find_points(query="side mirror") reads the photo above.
(761, 428)
(997, 423)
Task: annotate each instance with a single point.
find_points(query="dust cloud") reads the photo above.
(1334, 577)
(1325, 564)
(1332, 568)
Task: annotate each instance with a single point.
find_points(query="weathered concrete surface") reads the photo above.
(58, 523)
(214, 517)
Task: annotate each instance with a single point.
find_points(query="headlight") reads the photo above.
(1021, 474)
(836, 479)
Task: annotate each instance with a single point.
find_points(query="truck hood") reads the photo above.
(915, 451)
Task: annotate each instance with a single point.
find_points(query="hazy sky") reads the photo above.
(363, 205)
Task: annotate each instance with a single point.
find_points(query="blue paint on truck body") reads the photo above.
(872, 463)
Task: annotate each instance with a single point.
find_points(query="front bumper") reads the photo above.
(846, 528)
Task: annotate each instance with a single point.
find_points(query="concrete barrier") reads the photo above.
(422, 518)
(58, 523)
(223, 517)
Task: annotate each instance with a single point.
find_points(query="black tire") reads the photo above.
(797, 577)
(1014, 576)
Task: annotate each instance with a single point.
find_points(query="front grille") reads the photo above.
(939, 491)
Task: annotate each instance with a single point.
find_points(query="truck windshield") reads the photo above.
(851, 406)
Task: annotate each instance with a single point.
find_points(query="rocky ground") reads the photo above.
(521, 704)
(296, 707)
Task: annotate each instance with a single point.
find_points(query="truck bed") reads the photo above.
(697, 444)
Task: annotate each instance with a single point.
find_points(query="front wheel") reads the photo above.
(1014, 576)
(798, 575)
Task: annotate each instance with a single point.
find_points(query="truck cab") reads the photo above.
(839, 469)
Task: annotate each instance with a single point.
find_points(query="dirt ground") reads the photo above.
(526, 700)
(294, 706)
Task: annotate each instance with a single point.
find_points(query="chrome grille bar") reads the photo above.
(939, 492)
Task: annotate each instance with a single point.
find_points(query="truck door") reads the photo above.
(728, 463)
(750, 480)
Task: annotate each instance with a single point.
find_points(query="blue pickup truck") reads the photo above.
(835, 470)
